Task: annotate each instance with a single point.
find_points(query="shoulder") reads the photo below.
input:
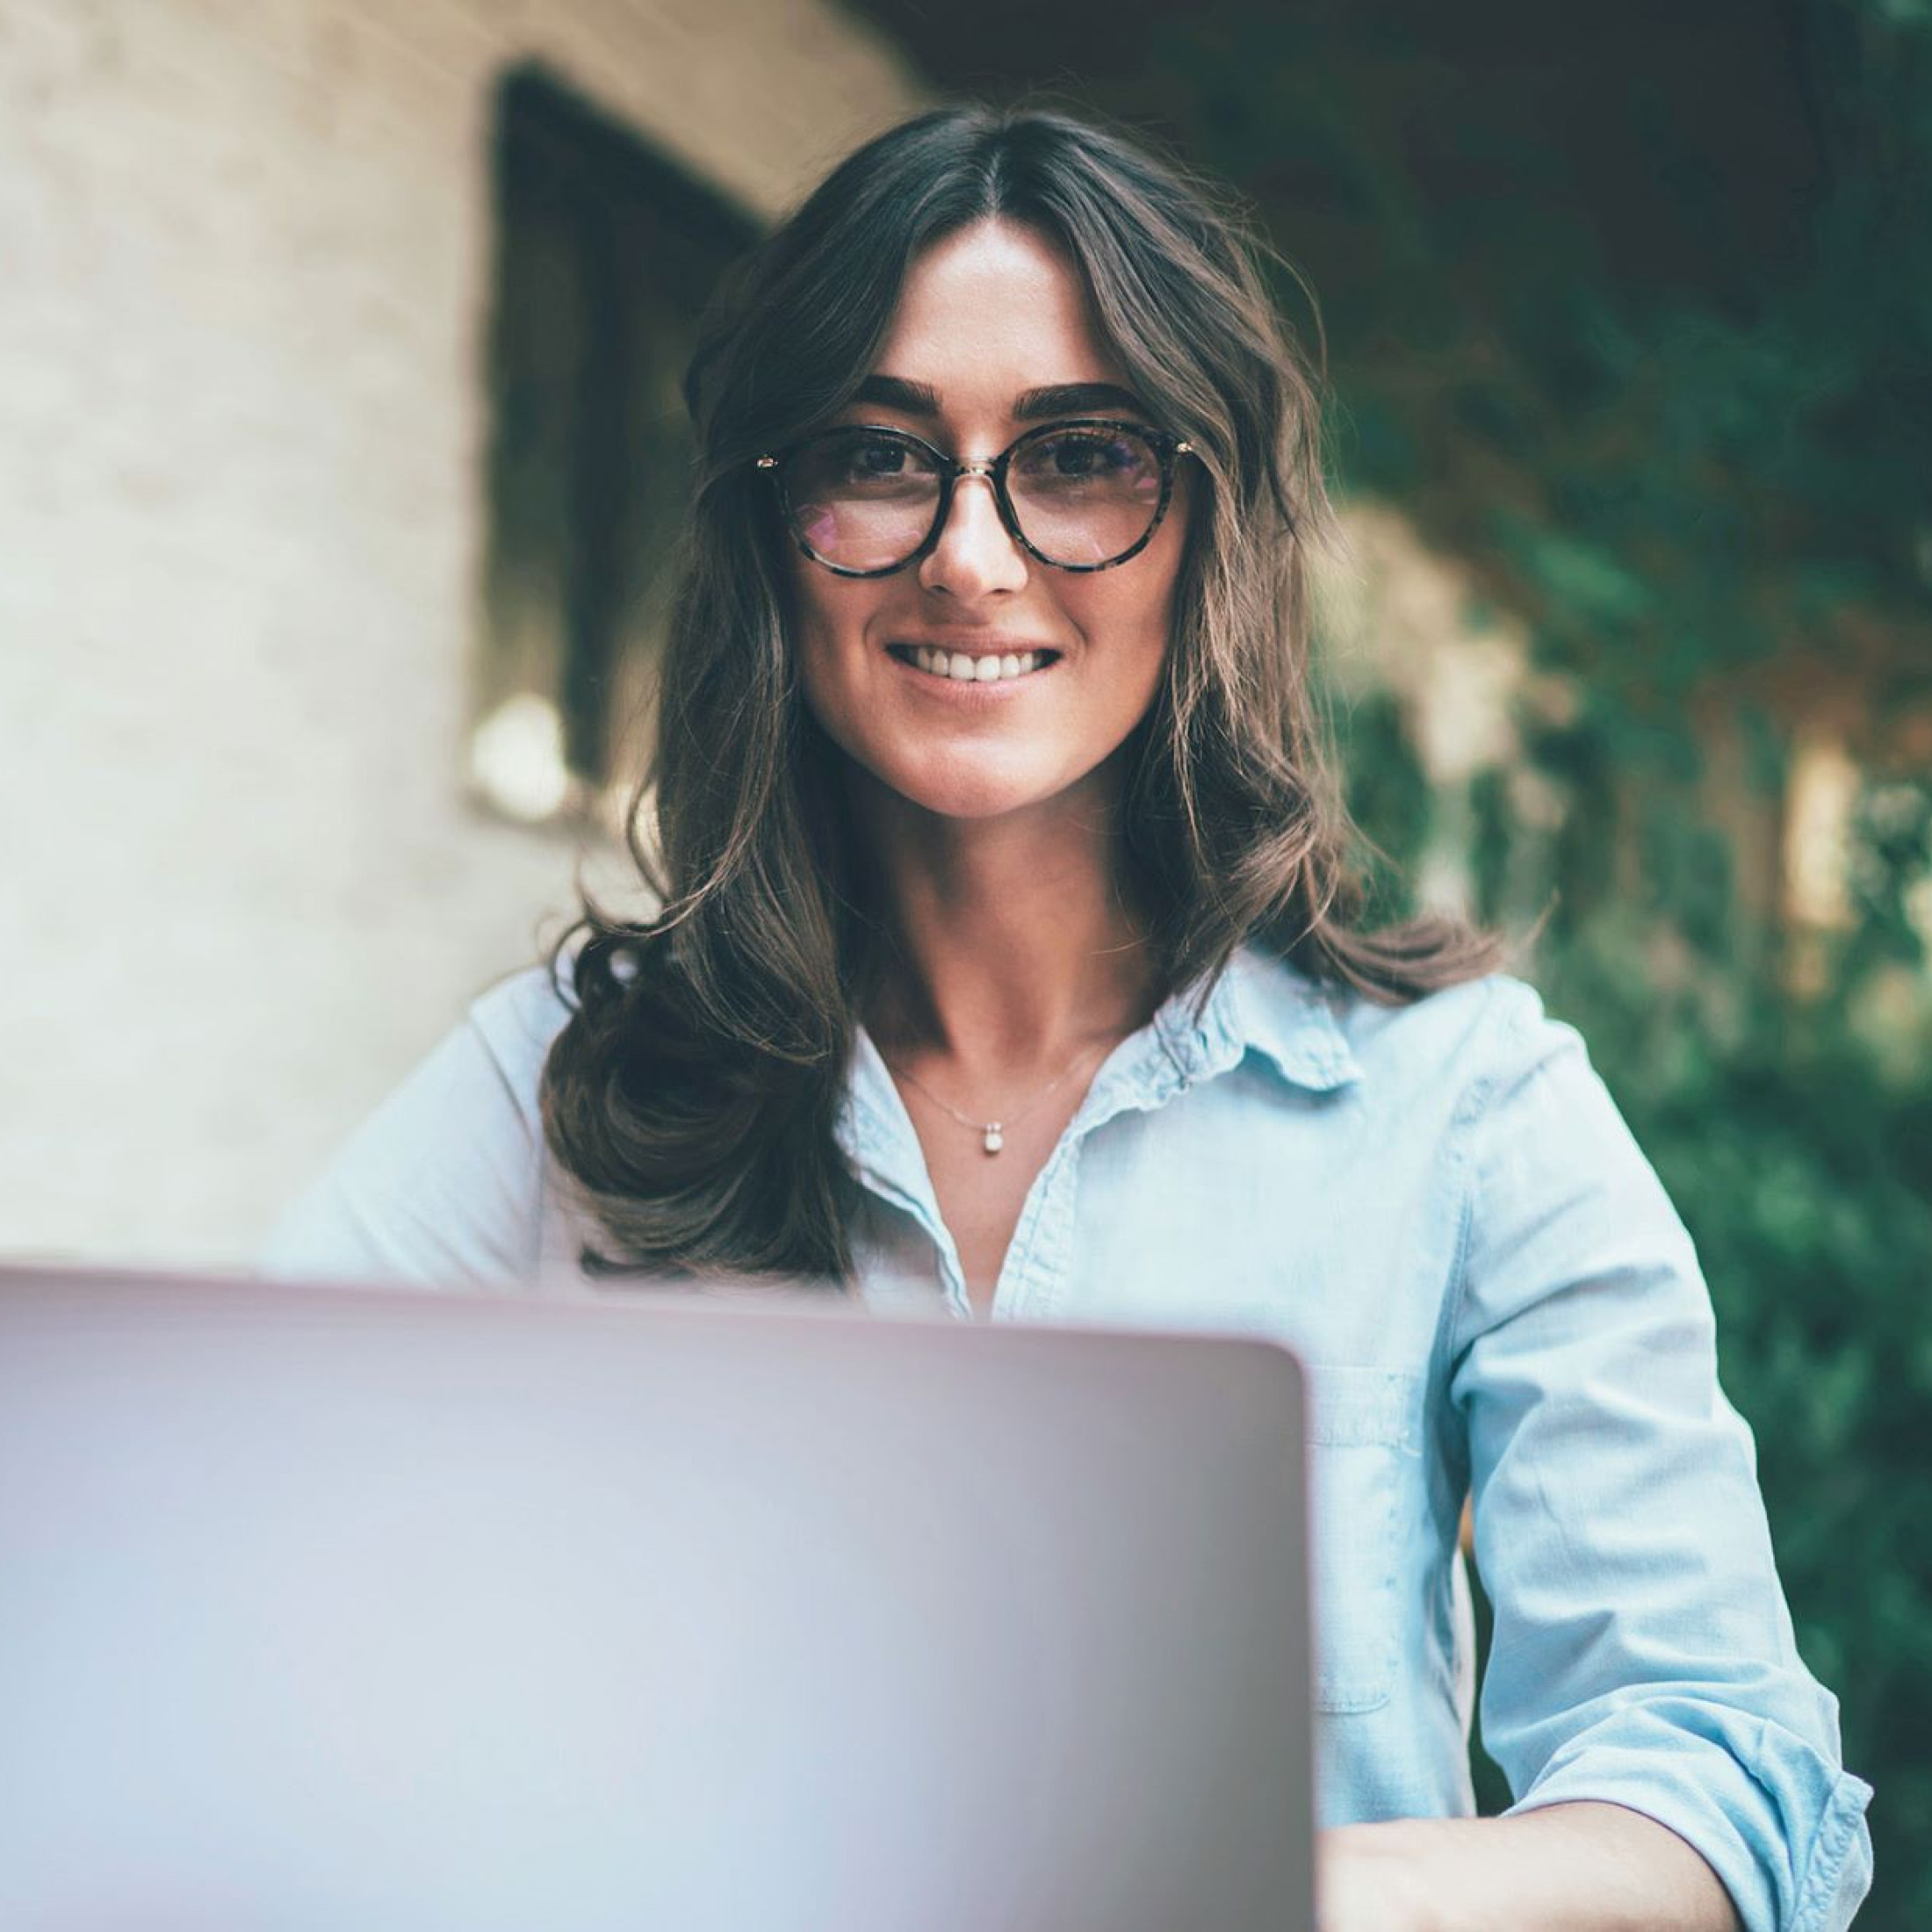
(1472, 1026)
(1457, 1045)
(483, 1078)
(1513, 1088)
(443, 1183)
(515, 1023)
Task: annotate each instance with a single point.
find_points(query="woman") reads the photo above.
(1008, 961)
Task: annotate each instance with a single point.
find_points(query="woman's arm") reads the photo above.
(1583, 1867)
(1642, 1658)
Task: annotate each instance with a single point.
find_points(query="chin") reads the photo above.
(962, 788)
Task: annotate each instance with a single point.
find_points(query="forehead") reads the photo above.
(988, 312)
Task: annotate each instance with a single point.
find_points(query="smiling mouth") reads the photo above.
(960, 667)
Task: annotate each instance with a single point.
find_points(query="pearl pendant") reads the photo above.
(995, 1139)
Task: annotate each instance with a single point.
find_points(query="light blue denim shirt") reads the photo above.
(1438, 1207)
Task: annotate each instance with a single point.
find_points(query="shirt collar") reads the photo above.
(1261, 1003)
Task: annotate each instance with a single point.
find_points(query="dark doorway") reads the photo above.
(606, 253)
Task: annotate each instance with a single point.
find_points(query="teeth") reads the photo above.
(964, 669)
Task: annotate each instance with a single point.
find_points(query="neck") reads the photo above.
(1014, 946)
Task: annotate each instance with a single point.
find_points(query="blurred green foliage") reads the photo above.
(1708, 492)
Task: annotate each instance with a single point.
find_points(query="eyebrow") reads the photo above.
(1065, 399)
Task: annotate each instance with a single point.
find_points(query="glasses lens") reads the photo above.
(1085, 495)
(862, 499)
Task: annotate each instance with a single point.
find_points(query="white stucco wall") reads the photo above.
(244, 252)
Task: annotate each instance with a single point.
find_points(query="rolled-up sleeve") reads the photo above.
(1642, 1652)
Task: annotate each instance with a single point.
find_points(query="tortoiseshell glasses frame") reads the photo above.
(948, 470)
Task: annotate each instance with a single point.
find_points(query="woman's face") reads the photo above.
(986, 319)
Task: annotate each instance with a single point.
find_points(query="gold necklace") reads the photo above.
(993, 1132)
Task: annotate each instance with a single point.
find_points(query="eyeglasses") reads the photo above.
(1086, 494)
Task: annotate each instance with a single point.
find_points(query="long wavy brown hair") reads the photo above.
(692, 1094)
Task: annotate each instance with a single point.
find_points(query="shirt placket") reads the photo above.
(1143, 1073)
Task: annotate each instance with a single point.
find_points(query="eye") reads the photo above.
(1067, 458)
(861, 464)
(867, 455)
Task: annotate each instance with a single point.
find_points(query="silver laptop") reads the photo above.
(329, 1609)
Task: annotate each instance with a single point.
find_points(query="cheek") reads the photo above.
(812, 614)
(1130, 620)
(828, 632)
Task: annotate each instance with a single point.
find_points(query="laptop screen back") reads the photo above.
(323, 1608)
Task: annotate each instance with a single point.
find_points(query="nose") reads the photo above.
(976, 554)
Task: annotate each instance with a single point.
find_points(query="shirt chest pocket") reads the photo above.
(1363, 1438)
